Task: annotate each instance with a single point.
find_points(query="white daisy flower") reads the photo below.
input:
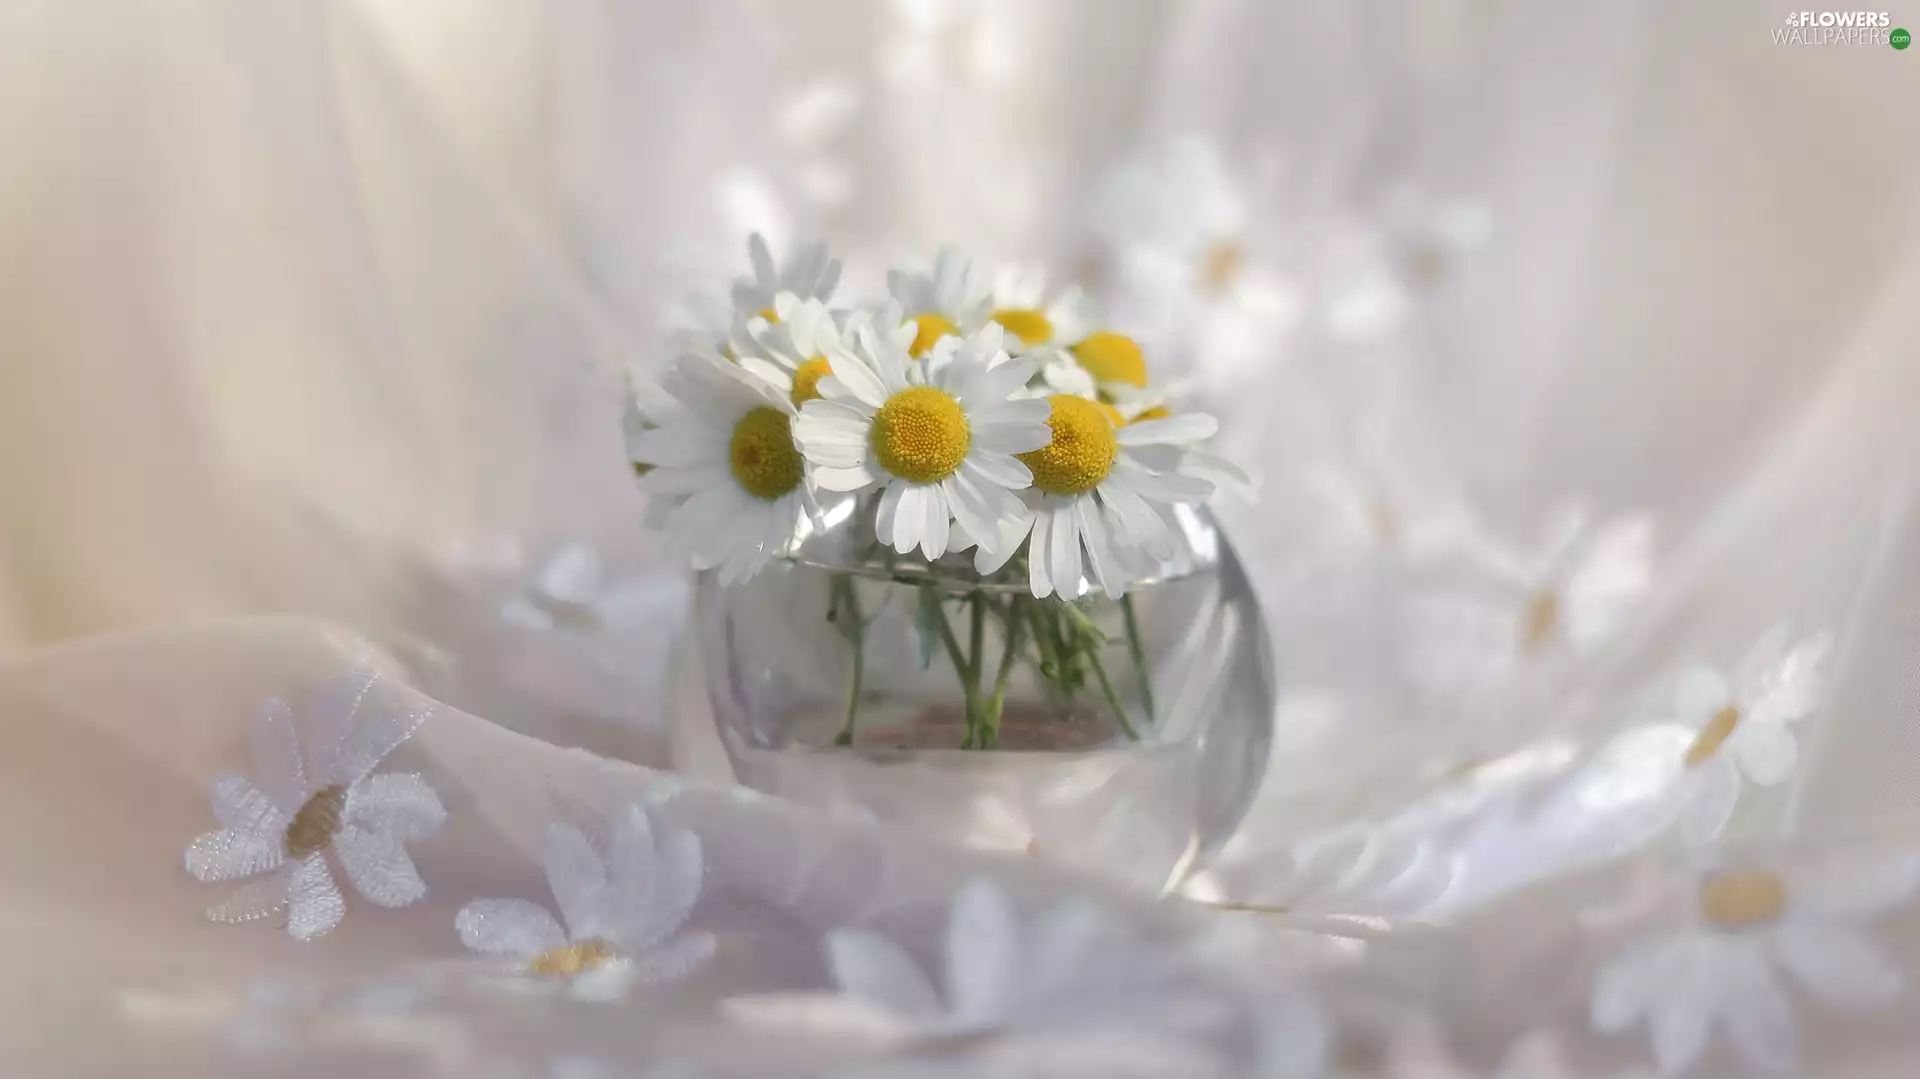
(1743, 723)
(949, 300)
(1570, 593)
(1737, 929)
(1093, 489)
(794, 349)
(620, 916)
(727, 454)
(1036, 317)
(808, 273)
(939, 436)
(325, 798)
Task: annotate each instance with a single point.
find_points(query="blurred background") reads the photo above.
(327, 309)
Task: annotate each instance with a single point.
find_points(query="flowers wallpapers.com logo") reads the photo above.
(1840, 28)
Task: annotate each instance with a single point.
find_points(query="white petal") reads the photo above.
(656, 880)
(683, 481)
(1007, 438)
(1711, 793)
(1173, 430)
(1622, 989)
(1758, 1018)
(579, 881)
(1001, 469)
(1101, 562)
(1765, 751)
(255, 899)
(1838, 965)
(887, 511)
(241, 806)
(909, 515)
(1699, 694)
(1139, 526)
(515, 928)
(681, 445)
(877, 973)
(314, 904)
(1038, 540)
(382, 726)
(936, 518)
(979, 508)
(839, 480)
(378, 866)
(397, 802)
(995, 385)
(229, 854)
(1160, 486)
(1063, 547)
(1681, 1014)
(981, 952)
(1020, 412)
(276, 756)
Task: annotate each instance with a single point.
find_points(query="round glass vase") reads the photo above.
(1125, 737)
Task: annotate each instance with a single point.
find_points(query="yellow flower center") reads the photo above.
(1539, 619)
(931, 327)
(1157, 412)
(1082, 451)
(1220, 265)
(1712, 736)
(1112, 357)
(570, 959)
(313, 826)
(921, 434)
(1029, 325)
(806, 379)
(1741, 899)
(764, 460)
(769, 314)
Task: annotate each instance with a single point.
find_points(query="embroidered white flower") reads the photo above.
(1742, 724)
(622, 914)
(727, 456)
(808, 273)
(951, 299)
(1095, 490)
(939, 434)
(1069, 963)
(309, 802)
(1568, 594)
(1737, 929)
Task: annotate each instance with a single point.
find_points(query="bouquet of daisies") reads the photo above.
(981, 433)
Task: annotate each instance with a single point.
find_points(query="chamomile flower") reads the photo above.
(807, 272)
(1733, 933)
(1092, 489)
(727, 455)
(948, 300)
(793, 349)
(1038, 318)
(940, 436)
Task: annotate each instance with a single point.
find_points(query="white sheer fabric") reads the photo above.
(1571, 345)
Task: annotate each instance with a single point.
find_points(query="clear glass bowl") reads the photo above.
(1082, 760)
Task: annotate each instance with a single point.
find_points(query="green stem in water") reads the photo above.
(1139, 656)
(976, 641)
(969, 679)
(995, 706)
(847, 605)
(1106, 687)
